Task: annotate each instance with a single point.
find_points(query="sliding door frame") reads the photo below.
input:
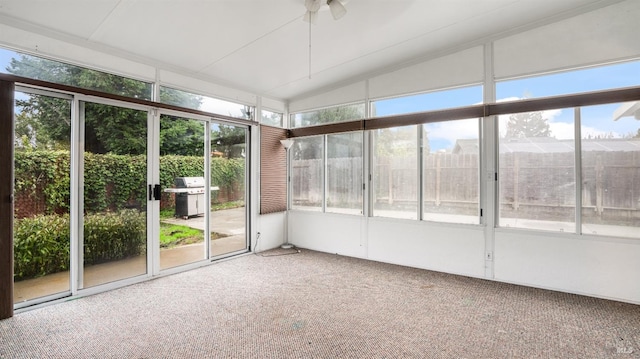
(72, 211)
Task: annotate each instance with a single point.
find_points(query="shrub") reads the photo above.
(111, 236)
(41, 244)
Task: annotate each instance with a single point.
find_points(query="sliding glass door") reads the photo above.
(228, 218)
(42, 165)
(183, 205)
(202, 167)
(108, 193)
(114, 162)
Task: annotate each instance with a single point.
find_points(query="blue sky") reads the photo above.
(596, 120)
(591, 79)
(5, 58)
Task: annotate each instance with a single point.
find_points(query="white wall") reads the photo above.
(602, 267)
(269, 231)
(457, 69)
(607, 34)
(273, 105)
(343, 95)
(333, 233)
(439, 247)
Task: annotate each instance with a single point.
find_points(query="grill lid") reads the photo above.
(189, 182)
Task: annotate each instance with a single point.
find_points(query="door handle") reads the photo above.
(156, 192)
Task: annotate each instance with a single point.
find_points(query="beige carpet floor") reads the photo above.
(318, 305)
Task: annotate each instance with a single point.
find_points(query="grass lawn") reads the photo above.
(174, 235)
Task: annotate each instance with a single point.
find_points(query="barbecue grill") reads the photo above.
(189, 192)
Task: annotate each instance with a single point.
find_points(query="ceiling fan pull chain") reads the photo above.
(309, 50)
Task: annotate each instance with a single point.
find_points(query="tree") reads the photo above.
(396, 141)
(34, 134)
(527, 124)
(179, 136)
(629, 134)
(312, 148)
(272, 119)
(108, 129)
(307, 148)
(229, 140)
(180, 98)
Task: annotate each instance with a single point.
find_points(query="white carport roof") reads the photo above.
(627, 109)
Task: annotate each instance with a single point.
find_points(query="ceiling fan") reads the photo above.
(313, 6)
(336, 6)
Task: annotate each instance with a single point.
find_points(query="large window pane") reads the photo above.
(569, 82)
(395, 172)
(307, 173)
(228, 168)
(537, 171)
(272, 118)
(611, 169)
(115, 194)
(182, 203)
(450, 171)
(430, 101)
(42, 229)
(39, 68)
(344, 173)
(328, 115)
(186, 99)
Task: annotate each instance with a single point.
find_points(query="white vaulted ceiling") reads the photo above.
(263, 46)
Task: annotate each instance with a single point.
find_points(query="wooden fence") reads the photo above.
(529, 182)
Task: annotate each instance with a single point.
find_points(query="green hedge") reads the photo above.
(112, 182)
(112, 236)
(41, 244)
(43, 174)
(228, 174)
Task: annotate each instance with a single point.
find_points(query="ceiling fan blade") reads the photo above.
(337, 9)
(313, 5)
